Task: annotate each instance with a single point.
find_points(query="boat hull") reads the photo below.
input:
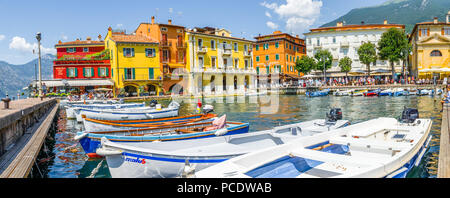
(91, 141)
(110, 115)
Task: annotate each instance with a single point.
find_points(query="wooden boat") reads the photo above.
(90, 141)
(72, 111)
(318, 93)
(400, 92)
(383, 147)
(141, 113)
(168, 159)
(91, 124)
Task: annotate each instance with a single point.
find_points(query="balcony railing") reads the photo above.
(247, 53)
(201, 49)
(166, 44)
(139, 77)
(181, 45)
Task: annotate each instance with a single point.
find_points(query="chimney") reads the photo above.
(99, 37)
(385, 22)
(435, 21)
(170, 21)
(153, 20)
(339, 24)
(362, 22)
(59, 42)
(296, 35)
(88, 38)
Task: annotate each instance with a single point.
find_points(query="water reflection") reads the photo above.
(264, 113)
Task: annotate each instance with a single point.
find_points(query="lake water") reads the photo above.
(262, 113)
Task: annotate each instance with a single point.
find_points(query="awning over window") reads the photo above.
(76, 83)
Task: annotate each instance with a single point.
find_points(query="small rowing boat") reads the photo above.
(343, 92)
(140, 113)
(324, 92)
(91, 124)
(359, 92)
(382, 147)
(171, 159)
(72, 111)
(386, 92)
(372, 92)
(90, 141)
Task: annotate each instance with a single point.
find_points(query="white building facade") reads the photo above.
(345, 40)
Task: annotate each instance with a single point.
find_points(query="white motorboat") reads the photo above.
(171, 159)
(383, 147)
(343, 92)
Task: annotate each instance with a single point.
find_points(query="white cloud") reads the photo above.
(268, 14)
(2, 37)
(271, 25)
(20, 44)
(299, 15)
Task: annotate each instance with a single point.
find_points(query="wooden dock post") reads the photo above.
(444, 150)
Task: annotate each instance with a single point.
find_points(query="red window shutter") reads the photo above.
(442, 31)
(420, 32)
(428, 32)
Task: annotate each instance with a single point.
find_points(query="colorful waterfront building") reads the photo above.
(344, 40)
(81, 65)
(135, 64)
(217, 63)
(431, 49)
(172, 47)
(276, 54)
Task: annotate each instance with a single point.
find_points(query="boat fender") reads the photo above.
(78, 137)
(221, 132)
(105, 152)
(149, 115)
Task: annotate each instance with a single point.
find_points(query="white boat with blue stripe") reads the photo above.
(73, 111)
(383, 147)
(174, 159)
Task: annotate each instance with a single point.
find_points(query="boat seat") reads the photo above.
(369, 143)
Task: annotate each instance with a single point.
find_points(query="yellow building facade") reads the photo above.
(431, 49)
(217, 63)
(135, 65)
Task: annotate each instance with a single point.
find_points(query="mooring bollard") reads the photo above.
(6, 101)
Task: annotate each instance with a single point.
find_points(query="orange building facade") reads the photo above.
(277, 53)
(172, 50)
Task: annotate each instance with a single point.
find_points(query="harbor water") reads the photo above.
(262, 112)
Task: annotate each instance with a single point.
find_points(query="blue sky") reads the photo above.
(67, 20)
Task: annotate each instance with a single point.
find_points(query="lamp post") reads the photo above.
(38, 37)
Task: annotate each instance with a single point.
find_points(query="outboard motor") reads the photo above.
(208, 109)
(153, 103)
(409, 115)
(334, 115)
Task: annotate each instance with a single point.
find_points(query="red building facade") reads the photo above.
(82, 60)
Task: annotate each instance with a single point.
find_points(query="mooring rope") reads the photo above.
(94, 172)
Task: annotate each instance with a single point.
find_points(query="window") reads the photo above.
(88, 72)
(129, 73)
(277, 45)
(236, 63)
(256, 47)
(235, 47)
(128, 52)
(436, 53)
(277, 57)
(164, 29)
(150, 52)
(213, 44)
(245, 49)
(85, 49)
(267, 57)
(71, 50)
(165, 57)
(257, 59)
(72, 72)
(446, 31)
(200, 62)
(246, 64)
(200, 43)
(334, 39)
(213, 62)
(424, 32)
(318, 42)
(225, 62)
(103, 72)
(151, 73)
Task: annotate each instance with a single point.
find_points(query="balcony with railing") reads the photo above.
(165, 44)
(248, 53)
(181, 45)
(201, 49)
(138, 77)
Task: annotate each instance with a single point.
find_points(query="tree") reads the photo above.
(367, 54)
(346, 65)
(305, 64)
(391, 45)
(324, 60)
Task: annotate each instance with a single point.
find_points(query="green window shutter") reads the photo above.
(67, 72)
(132, 52)
(257, 70)
(76, 72)
(125, 71)
(150, 73)
(276, 45)
(257, 59)
(133, 76)
(107, 72)
(268, 69)
(84, 73)
(279, 68)
(124, 52)
(92, 72)
(277, 57)
(98, 71)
